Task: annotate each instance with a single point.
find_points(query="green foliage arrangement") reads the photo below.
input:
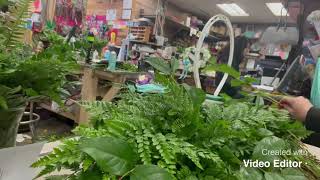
(83, 45)
(176, 136)
(167, 68)
(128, 67)
(12, 23)
(23, 73)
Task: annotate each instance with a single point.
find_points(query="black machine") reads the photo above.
(273, 66)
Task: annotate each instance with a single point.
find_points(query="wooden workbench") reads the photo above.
(91, 89)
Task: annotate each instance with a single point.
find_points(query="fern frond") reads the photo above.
(166, 152)
(66, 156)
(14, 27)
(143, 144)
(90, 132)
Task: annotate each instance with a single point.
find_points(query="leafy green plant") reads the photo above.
(128, 67)
(83, 45)
(25, 74)
(12, 26)
(175, 135)
(168, 68)
(33, 74)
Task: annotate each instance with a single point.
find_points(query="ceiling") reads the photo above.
(258, 11)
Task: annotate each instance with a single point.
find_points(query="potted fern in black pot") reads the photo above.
(24, 74)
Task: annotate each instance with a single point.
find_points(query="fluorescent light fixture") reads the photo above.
(277, 9)
(233, 9)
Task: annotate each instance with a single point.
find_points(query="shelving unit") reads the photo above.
(170, 21)
(141, 33)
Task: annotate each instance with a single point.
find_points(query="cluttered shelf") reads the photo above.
(170, 20)
(147, 43)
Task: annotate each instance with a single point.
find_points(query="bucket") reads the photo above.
(9, 124)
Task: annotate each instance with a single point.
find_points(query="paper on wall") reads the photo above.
(126, 14)
(111, 15)
(127, 4)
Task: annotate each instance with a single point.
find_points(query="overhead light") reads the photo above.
(277, 9)
(233, 9)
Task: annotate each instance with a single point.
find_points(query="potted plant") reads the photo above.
(25, 75)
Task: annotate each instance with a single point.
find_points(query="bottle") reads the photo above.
(107, 55)
(112, 61)
(259, 73)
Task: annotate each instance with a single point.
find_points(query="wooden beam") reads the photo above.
(88, 92)
(51, 9)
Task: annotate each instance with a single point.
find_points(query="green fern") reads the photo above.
(174, 132)
(142, 140)
(166, 153)
(66, 156)
(13, 28)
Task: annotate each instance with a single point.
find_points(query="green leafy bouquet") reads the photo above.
(176, 135)
(23, 73)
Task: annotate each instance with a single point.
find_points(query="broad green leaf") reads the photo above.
(226, 97)
(3, 103)
(259, 101)
(250, 174)
(227, 156)
(273, 176)
(197, 95)
(249, 80)
(150, 172)
(191, 178)
(268, 144)
(58, 177)
(112, 155)
(4, 90)
(293, 174)
(93, 174)
(225, 69)
(8, 71)
(246, 81)
(160, 65)
(174, 65)
(65, 92)
(30, 92)
(265, 132)
(237, 83)
(15, 90)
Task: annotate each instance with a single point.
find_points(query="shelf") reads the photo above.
(142, 42)
(61, 113)
(170, 20)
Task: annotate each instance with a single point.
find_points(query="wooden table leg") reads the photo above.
(114, 90)
(88, 93)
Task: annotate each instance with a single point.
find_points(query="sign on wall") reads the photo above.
(127, 4)
(126, 14)
(111, 15)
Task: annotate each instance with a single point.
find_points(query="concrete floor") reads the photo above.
(51, 127)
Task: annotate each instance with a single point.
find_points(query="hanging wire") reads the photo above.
(160, 18)
(287, 14)
(284, 20)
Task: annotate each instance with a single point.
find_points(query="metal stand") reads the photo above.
(33, 120)
(205, 32)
